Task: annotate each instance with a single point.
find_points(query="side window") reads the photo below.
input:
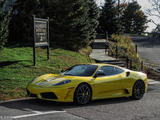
(118, 70)
(110, 70)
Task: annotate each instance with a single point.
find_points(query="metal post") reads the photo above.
(105, 48)
(106, 36)
(34, 47)
(48, 41)
(106, 44)
(47, 52)
(108, 51)
(116, 52)
(141, 65)
(127, 62)
(136, 48)
(131, 64)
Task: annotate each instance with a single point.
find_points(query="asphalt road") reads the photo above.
(147, 108)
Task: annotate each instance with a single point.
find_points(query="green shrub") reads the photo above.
(125, 48)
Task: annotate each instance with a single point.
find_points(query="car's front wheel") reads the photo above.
(83, 94)
(138, 90)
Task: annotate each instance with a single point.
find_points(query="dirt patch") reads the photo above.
(12, 94)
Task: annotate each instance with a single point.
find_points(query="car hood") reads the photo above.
(49, 80)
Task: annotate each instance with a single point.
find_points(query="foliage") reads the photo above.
(72, 23)
(109, 20)
(94, 14)
(134, 19)
(78, 25)
(125, 43)
(125, 18)
(21, 27)
(122, 9)
(71, 27)
(156, 32)
(5, 15)
(16, 68)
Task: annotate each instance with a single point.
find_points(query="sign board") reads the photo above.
(41, 35)
(41, 32)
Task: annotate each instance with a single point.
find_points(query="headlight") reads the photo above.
(62, 82)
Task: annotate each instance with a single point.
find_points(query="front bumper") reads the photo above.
(61, 94)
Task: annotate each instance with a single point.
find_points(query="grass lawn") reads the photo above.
(16, 67)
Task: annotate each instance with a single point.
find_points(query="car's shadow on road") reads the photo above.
(42, 105)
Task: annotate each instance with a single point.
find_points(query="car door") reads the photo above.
(109, 84)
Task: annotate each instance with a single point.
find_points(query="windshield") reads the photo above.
(81, 70)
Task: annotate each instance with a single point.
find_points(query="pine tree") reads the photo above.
(70, 25)
(77, 23)
(134, 19)
(140, 22)
(21, 26)
(72, 22)
(109, 20)
(5, 15)
(94, 15)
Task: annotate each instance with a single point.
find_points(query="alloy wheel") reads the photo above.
(83, 94)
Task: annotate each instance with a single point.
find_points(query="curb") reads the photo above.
(14, 100)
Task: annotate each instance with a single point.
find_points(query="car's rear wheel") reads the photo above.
(138, 90)
(83, 94)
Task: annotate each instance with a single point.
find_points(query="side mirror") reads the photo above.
(99, 74)
(127, 74)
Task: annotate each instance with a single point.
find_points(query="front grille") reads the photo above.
(48, 95)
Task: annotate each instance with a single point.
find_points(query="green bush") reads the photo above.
(125, 48)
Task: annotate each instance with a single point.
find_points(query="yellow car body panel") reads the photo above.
(102, 87)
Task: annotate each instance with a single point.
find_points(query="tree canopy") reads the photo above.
(134, 19)
(72, 23)
(122, 18)
(5, 15)
(109, 20)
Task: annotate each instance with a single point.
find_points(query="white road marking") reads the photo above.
(36, 113)
(151, 82)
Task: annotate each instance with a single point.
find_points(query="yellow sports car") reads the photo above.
(86, 82)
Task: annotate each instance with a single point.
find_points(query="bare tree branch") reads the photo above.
(153, 22)
(155, 10)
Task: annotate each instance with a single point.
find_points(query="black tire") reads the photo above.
(83, 94)
(138, 90)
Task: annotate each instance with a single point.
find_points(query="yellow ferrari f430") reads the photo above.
(86, 82)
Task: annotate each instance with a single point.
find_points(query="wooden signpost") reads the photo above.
(41, 35)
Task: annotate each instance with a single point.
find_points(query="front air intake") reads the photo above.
(48, 95)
